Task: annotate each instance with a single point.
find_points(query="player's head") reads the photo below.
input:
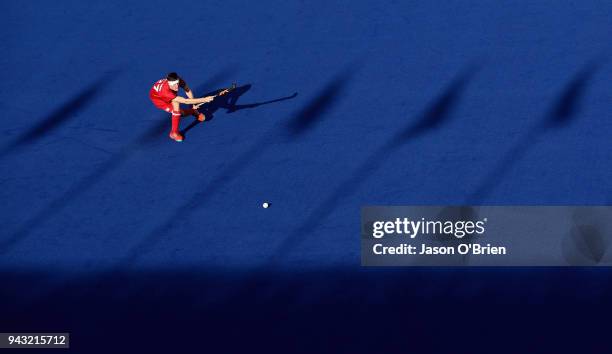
(173, 81)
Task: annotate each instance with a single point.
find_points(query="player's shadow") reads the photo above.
(229, 102)
(433, 117)
(563, 111)
(62, 114)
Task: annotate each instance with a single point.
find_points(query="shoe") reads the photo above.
(200, 116)
(176, 136)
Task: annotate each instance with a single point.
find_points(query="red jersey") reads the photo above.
(162, 95)
(161, 91)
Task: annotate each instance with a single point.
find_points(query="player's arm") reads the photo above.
(188, 91)
(184, 100)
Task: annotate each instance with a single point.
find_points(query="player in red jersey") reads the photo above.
(163, 94)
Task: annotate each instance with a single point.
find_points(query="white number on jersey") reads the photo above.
(158, 85)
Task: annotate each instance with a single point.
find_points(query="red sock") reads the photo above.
(176, 116)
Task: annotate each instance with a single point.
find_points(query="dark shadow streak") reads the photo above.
(569, 102)
(309, 116)
(438, 113)
(155, 134)
(316, 112)
(563, 111)
(61, 115)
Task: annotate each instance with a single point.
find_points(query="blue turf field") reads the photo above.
(341, 104)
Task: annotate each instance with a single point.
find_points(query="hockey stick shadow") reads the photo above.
(228, 102)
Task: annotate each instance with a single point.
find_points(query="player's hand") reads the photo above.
(223, 92)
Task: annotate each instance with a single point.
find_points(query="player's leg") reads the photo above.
(193, 112)
(176, 117)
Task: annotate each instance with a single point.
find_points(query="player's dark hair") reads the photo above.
(172, 76)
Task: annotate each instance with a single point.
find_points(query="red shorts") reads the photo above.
(165, 106)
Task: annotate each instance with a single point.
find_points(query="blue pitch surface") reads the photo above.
(340, 105)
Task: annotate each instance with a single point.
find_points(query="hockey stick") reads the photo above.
(223, 92)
